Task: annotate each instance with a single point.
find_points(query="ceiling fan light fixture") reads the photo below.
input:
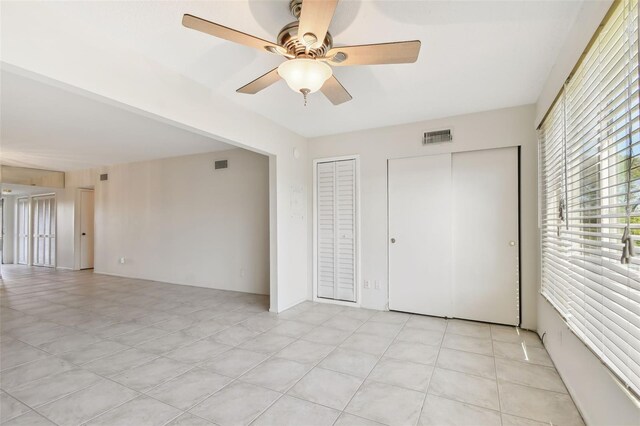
(304, 75)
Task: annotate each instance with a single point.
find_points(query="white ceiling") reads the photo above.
(476, 55)
(47, 127)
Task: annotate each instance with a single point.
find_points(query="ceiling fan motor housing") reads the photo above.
(296, 45)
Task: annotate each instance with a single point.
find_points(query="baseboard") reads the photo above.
(288, 307)
(95, 271)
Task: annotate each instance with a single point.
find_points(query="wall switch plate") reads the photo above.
(367, 284)
(122, 260)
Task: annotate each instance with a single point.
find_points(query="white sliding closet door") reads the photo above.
(336, 230)
(453, 229)
(420, 231)
(485, 235)
(23, 231)
(44, 230)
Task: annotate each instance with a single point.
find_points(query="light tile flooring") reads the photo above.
(82, 348)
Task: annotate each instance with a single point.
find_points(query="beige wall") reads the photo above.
(177, 220)
(65, 232)
(492, 129)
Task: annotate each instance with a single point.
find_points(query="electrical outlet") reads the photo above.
(122, 260)
(242, 272)
(376, 285)
(367, 284)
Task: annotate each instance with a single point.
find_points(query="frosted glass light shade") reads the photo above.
(304, 74)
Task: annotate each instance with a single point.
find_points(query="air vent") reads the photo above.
(104, 176)
(221, 164)
(437, 137)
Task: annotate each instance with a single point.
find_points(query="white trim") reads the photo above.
(358, 288)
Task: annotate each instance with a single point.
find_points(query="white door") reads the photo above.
(22, 231)
(420, 235)
(336, 230)
(86, 229)
(44, 230)
(485, 235)
(453, 228)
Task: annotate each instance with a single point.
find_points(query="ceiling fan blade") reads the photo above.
(335, 92)
(260, 83)
(315, 18)
(230, 34)
(401, 52)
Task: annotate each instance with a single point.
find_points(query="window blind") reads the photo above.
(590, 197)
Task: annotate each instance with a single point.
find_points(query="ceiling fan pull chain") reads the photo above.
(305, 92)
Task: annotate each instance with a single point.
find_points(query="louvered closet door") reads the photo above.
(23, 231)
(336, 230)
(44, 231)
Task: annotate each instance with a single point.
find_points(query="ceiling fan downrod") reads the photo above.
(295, 7)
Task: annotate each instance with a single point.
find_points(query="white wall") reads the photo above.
(493, 129)
(599, 396)
(597, 393)
(177, 220)
(588, 19)
(65, 232)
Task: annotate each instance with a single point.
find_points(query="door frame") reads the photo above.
(357, 284)
(519, 184)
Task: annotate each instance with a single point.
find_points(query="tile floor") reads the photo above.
(82, 348)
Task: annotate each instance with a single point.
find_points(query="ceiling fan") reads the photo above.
(308, 47)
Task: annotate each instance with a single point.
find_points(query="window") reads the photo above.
(590, 197)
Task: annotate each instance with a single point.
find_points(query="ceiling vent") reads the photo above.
(221, 164)
(437, 136)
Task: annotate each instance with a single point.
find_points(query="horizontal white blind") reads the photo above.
(590, 195)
